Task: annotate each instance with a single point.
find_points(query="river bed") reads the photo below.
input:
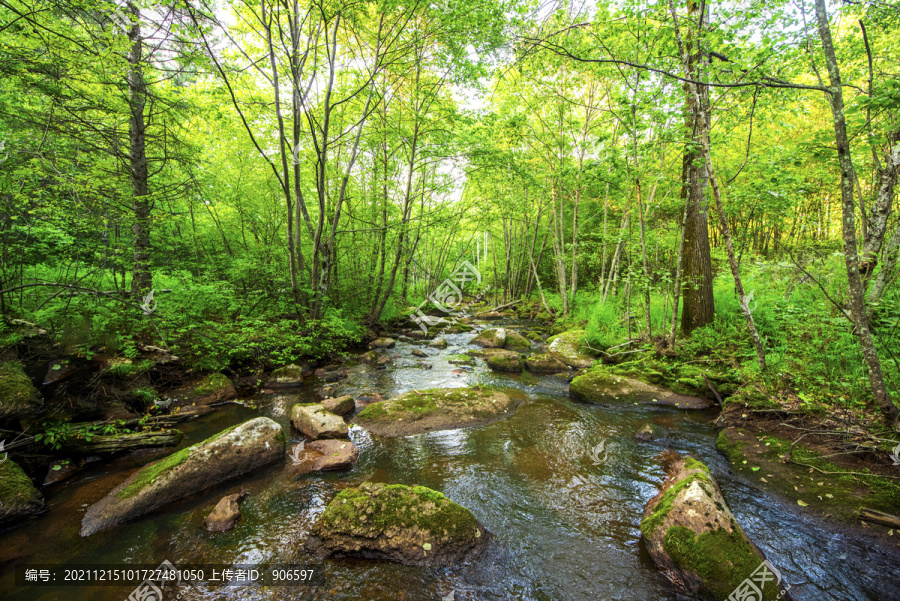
(560, 485)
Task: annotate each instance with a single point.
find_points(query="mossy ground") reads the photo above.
(759, 457)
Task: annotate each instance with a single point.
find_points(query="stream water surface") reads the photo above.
(564, 516)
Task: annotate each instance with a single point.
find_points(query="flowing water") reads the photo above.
(564, 514)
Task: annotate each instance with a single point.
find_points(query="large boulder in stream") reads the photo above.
(18, 396)
(314, 421)
(410, 525)
(493, 338)
(545, 364)
(516, 342)
(506, 361)
(601, 386)
(383, 342)
(420, 411)
(18, 497)
(568, 349)
(229, 454)
(206, 390)
(695, 541)
(322, 456)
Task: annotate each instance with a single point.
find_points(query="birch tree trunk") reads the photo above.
(855, 294)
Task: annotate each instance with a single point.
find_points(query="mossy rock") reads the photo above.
(314, 421)
(412, 525)
(206, 390)
(438, 343)
(459, 328)
(369, 357)
(460, 360)
(383, 342)
(420, 411)
(694, 539)
(678, 377)
(533, 336)
(235, 451)
(19, 498)
(545, 364)
(601, 386)
(492, 338)
(505, 361)
(289, 375)
(649, 432)
(568, 348)
(482, 352)
(18, 396)
(516, 342)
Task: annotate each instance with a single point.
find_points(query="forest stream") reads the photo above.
(563, 509)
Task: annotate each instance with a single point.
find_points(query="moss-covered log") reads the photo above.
(122, 441)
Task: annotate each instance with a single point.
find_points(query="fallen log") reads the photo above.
(879, 517)
(119, 442)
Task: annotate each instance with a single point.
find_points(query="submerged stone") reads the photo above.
(322, 455)
(226, 513)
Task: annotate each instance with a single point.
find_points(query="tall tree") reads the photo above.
(855, 299)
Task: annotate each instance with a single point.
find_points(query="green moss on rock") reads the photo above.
(722, 559)
(409, 524)
(435, 409)
(506, 361)
(460, 359)
(212, 383)
(18, 496)
(18, 396)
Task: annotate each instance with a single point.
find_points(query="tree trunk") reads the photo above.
(697, 289)
(855, 297)
(142, 279)
(884, 199)
(701, 109)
